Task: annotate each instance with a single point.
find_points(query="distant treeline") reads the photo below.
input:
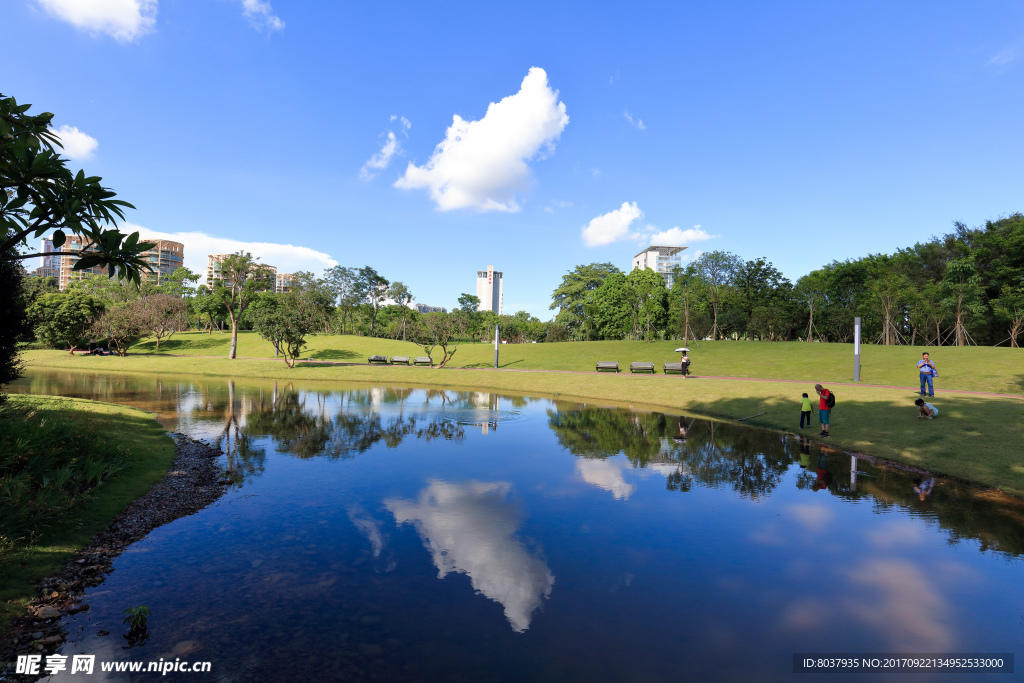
(966, 287)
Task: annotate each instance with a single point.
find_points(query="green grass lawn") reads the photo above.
(993, 369)
(146, 452)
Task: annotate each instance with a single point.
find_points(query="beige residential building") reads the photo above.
(163, 258)
(283, 283)
(67, 262)
(213, 270)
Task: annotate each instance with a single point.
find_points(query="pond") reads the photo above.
(387, 533)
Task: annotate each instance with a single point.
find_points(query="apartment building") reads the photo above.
(66, 272)
(489, 289)
(213, 271)
(424, 308)
(283, 283)
(163, 258)
(661, 260)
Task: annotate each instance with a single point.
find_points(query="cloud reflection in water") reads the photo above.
(471, 528)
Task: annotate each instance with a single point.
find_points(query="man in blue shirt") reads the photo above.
(927, 370)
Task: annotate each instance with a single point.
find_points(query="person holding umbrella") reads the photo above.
(684, 361)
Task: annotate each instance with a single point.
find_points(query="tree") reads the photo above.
(645, 290)
(122, 324)
(241, 277)
(686, 285)
(716, 269)
(401, 295)
(39, 193)
(1009, 307)
(757, 281)
(65, 318)
(12, 322)
(162, 315)
(442, 329)
(343, 283)
(284, 320)
(571, 295)
(810, 291)
(468, 305)
(374, 290)
(891, 289)
(961, 286)
(208, 303)
(180, 284)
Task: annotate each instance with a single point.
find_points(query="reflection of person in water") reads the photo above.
(805, 452)
(824, 475)
(681, 437)
(923, 488)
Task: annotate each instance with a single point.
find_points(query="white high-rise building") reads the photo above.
(659, 259)
(489, 290)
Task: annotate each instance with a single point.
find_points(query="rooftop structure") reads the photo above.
(661, 260)
(423, 308)
(489, 289)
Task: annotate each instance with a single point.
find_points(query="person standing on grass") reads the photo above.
(824, 409)
(927, 370)
(805, 411)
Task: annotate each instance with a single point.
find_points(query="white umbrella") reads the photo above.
(684, 350)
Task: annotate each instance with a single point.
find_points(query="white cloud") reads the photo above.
(612, 226)
(638, 122)
(677, 236)
(77, 145)
(261, 15)
(287, 258)
(124, 20)
(607, 475)
(471, 529)
(482, 164)
(402, 120)
(380, 160)
(557, 204)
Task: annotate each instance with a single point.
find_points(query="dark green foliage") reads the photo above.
(12, 324)
(65, 319)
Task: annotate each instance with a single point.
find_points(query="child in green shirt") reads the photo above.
(805, 411)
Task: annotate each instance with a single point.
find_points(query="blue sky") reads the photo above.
(803, 132)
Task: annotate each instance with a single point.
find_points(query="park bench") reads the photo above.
(681, 368)
(422, 360)
(377, 359)
(642, 367)
(400, 360)
(607, 365)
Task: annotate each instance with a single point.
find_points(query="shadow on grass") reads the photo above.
(191, 344)
(333, 354)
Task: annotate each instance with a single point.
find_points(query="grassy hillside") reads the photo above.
(973, 368)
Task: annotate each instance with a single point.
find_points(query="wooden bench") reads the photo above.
(642, 367)
(681, 368)
(400, 360)
(607, 365)
(422, 360)
(377, 359)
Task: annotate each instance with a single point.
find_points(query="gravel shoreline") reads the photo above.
(193, 482)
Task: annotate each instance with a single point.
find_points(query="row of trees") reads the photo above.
(966, 287)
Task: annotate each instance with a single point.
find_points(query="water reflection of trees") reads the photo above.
(299, 424)
(753, 462)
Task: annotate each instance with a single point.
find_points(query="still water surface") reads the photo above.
(400, 534)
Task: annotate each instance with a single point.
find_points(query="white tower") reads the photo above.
(489, 289)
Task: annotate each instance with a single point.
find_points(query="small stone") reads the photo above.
(51, 640)
(47, 612)
(184, 647)
(84, 607)
(102, 633)
(37, 635)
